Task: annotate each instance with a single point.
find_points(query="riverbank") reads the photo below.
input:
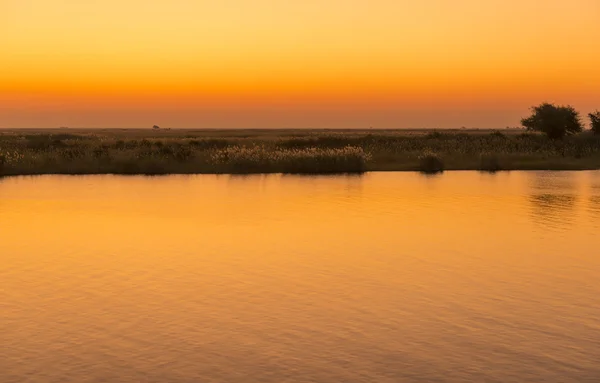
(135, 151)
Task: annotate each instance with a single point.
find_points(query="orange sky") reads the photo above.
(311, 63)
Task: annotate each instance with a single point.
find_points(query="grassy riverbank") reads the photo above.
(71, 151)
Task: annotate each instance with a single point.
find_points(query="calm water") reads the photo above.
(389, 277)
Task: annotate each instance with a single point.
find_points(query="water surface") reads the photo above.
(388, 277)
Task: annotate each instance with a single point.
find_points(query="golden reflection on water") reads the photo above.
(383, 277)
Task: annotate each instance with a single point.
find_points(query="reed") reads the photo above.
(124, 152)
(308, 160)
(489, 162)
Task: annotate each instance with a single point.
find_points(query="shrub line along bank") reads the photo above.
(304, 152)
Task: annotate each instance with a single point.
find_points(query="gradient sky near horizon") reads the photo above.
(301, 64)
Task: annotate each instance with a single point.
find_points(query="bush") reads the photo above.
(595, 119)
(431, 163)
(434, 135)
(555, 121)
(100, 151)
(183, 154)
(72, 154)
(43, 142)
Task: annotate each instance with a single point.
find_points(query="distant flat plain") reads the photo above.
(243, 133)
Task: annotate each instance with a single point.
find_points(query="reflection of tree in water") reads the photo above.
(554, 182)
(553, 210)
(553, 199)
(354, 183)
(594, 196)
(1, 182)
(594, 206)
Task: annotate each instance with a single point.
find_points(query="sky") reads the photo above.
(294, 64)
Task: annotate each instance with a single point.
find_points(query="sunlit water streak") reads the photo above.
(387, 277)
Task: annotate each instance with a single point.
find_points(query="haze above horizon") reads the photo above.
(314, 64)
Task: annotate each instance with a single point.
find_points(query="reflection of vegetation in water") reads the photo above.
(553, 182)
(553, 198)
(594, 205)
(553, 209)
(594, 195)
(187, 151)
(553, 202)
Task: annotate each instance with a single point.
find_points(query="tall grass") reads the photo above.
(309, 160)
(284, 152)
(490, 163)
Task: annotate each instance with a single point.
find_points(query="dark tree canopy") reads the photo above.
(595, 119)
(555, 121)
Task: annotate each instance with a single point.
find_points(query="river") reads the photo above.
(385, 277)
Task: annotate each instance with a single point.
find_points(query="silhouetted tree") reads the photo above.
(555, 121)
(595, 118)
